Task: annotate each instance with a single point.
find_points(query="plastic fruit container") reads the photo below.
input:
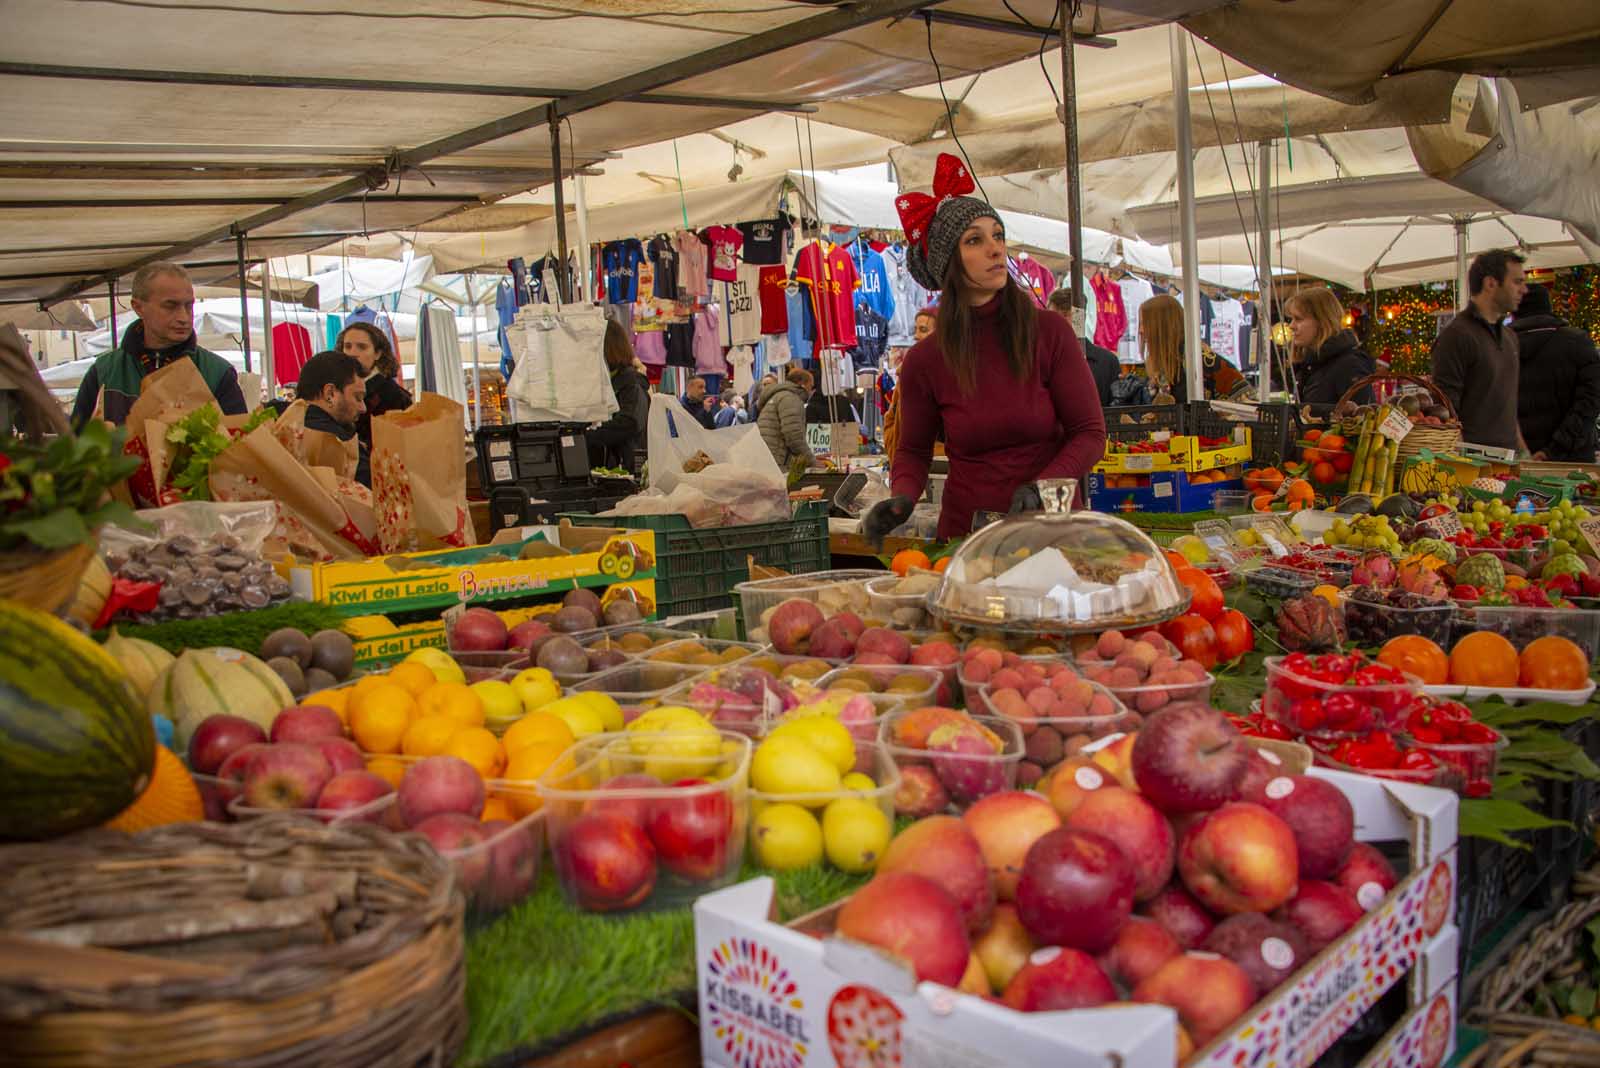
(901, 603)
(374, 811)
(1084, 712)
(638, 686)
(1282, 582)
(1231, 502)
(832, 592)
(861, 713)
(1520, 624)
(1373, 623)
(634, 639)
(873, 761)
(1149, 697)
(703, 652)
(502, 869)
(971, 757)
(1474, 763)
(973, 671)
(1302, 703)
(1440, 775)
(640, 820)
(914, 686)
(744, 696)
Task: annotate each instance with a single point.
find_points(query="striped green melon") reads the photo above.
(211, 682)
(75, 747)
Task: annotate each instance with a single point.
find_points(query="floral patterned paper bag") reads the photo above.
(315, 448)
(419, 477)
(320, 515)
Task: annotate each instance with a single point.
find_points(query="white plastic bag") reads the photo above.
(560, 374)
(741, 484)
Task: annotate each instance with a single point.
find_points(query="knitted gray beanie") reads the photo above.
(944, 233)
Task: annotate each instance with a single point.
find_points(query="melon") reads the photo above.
(75, 747)
(143, 661)
(210, 682)
(94, 590)
(171, 797)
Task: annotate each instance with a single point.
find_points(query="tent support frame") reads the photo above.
(1069, 123)
(1178, 37)
(1264, 261)
(244, 299)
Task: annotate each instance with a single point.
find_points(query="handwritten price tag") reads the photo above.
(1589, 529)
(1395, 425)
(1442, 526)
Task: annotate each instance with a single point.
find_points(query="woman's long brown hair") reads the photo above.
(953, 328)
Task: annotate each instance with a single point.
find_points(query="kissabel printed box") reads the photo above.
(782, 997)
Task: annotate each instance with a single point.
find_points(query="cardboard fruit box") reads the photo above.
(801, 997)
(518, 566)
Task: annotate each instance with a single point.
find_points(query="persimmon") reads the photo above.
(1553, 663)
(1417, 655)
(1484, 658)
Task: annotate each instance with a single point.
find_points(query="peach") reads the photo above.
(913, 919)
(1004, 947)
(1072, 781)
(1006, 825)
(1209, 992)
(1141, 948)
(1320, 816)
(943, 849)
(1057, 978)
(1117, 756)
(1184, 918)
(1240, 858)
(1140, 831)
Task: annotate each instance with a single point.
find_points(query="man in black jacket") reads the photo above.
(1558, 393)
(335, 391)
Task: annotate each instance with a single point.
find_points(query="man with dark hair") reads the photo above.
(163, 299)
(1558, 385)
(1475, 358)
(699, 404)
(334, 388)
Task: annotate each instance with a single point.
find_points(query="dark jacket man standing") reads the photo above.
(1475, 358)
(1558, 391)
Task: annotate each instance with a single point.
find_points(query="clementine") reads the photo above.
(906, 559)
(941, 564)
(1553, 663)
(1417, 655)
(1484, 658)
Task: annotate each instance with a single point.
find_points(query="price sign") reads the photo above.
(1143, 461)
(819, 437)
(1589, 530)
(1395, 425)
(1163, 489)
(1442, 526)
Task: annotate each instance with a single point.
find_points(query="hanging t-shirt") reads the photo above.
(1135, 291)
(1227, 316)
(708, 343)
(872, 336)
(1110, 319)
(772, 295)
(829, 273)
(775, 350)
(651, 347)
(742, 359)
(909, 297)
(622, 259)
(875, 289)
(1037, 277)
(725, 242)
(680, 344)
(691, 264)
(664, 261)
(763, 241)
(741, 309)
(802, 323)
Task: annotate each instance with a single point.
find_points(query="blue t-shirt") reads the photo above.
(875, 288)
(802, 323)
(621, 260)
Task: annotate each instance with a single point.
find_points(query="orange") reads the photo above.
(1262, 502)
(1553, 663)
(940, 564)
(379, 718)
(1484, 658)
(428, 735)
(416, 678)
(1328, 593)
(1323, 472)
(480, 748)
(1417, 655)
(367, 682)
(497, 808)
(387, 768)
(453, 699)
(1176, 559)
(524, 769)
(536, 727)
(338, 700)
(1300, 494)
(906, 559)
(1313, 435)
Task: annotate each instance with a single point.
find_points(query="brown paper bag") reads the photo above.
(419, 477)
(164, 398)
(315, 448)
(320, 516)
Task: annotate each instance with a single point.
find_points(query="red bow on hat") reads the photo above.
(950, 180)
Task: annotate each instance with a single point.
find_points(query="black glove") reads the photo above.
(883, 517)
(1026, 499)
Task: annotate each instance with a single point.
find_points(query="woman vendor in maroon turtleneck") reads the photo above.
(1006, 383)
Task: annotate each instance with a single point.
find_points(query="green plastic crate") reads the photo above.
(697, 569)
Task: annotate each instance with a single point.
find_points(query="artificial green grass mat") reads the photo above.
(545, 969)
(235, 630)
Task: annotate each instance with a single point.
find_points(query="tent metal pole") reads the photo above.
(1461, 262)
(1069, 123)
(562, 284)
(1178, 38)
(116, 338)
(1264, 262)
(585, 260)
(244, 300)
(477, 378)
(269, 368)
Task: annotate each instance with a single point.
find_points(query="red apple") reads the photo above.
(935, 654)
(1003, 948)
(307, 723)
(1076, 890)
(218, 738)
(479, 630)
(342, 754)
(1267, 950)
(1240, 858)
(914, 920)
(1320, 816)
(513, 862)
(791, 623)
(692, 832)
(290, 775)
(836, 638)
(351, 791)
(882, 640)
(231, 780)
(1321, 912)
(440, 784)
(1142, 946)
(1262, 766)
(943, 849)
(1210, 992)
(524, 634)
(1073, 780)
(630, 805)
(605, 862)
(1367, 876)
(1188, 758)
(1139, 830)
(1184, 918)
(459, 839)
(1057, 978)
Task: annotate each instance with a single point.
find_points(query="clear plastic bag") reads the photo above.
(251, 522)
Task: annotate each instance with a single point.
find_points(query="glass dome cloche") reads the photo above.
(1059, 573)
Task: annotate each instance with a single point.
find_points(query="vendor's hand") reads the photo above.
(881, 518)
(1540, 456)
(1026, 499)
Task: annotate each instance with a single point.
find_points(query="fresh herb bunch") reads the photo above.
(55, 495)
(196, 440)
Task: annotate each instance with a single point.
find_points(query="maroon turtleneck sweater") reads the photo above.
(1003, 433)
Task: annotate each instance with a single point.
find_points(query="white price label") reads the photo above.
(567, 441)
(1589, 529)
(1163, 489)
(1215, 543)
(1143, 461)
(1395, 425)
(1442, 526)
(501, 469)
(819, 437)
(498, 449)
(1275, 545)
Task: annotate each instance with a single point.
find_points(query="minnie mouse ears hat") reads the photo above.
(934, 224)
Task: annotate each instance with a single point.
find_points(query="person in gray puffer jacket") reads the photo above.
(783, 418)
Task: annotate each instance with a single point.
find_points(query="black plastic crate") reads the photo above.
(1573, 800)
(1494, 881)
(1136, 422)
(535, 455)
(516, 506)
(1272, 432)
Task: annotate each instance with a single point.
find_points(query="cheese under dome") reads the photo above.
(1059, 573)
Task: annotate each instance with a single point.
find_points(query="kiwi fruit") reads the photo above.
(560, 655)
(619, 612)
(288, 669)
(572, 618)
(288, 642)
(333, 652)
(581, 598)
(318, 680)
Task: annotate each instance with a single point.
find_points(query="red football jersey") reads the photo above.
(832, 279)
(772, 291)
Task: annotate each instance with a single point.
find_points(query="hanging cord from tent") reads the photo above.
(950, 112)
(677, 168)
(816, 195)
(1222, 147)
(1046, 35)
(805, 172)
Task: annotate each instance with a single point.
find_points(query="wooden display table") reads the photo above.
(856, 545)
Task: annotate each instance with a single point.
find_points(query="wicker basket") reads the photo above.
(1433, 438)
(275, 942)
(46, 581)
(1518, 1037)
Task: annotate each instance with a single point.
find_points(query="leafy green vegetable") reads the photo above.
(195, 441)
(55, 495)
